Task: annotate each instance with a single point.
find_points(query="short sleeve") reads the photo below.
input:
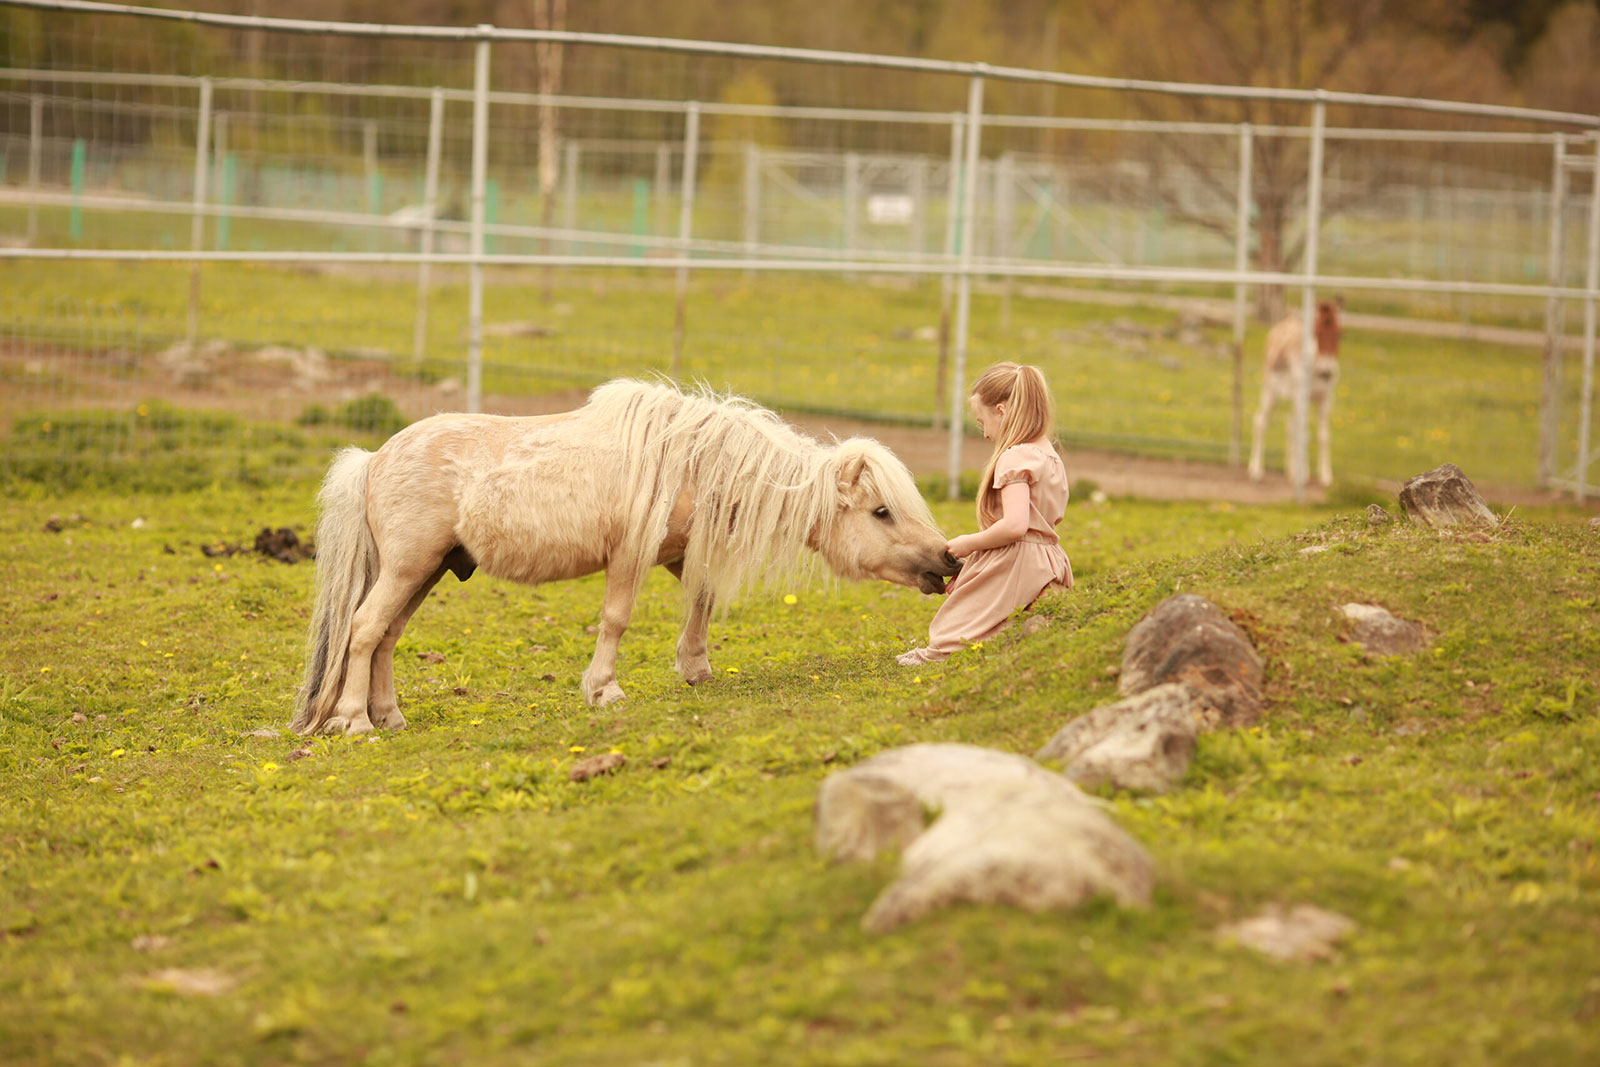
(1018, 464)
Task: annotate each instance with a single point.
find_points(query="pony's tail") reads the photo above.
(347, 567)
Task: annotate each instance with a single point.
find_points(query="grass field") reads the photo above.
(1135, 380)
(175, 890)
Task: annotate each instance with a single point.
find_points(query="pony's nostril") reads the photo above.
(951, 563)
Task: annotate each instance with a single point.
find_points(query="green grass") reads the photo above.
(445, 895)
(1405, 403)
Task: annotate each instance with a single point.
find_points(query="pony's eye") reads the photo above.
(881, 513)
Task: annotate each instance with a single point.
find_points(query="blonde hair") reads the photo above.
(1029, 416)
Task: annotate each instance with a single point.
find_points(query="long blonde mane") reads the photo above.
(762, 490)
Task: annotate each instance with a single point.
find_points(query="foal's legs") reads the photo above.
(693, 662)
(600, 679)
(385, 603)
(1258, 442)
(1324, 441)
(383, 706)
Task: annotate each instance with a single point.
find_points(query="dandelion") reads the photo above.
(44, 670)
(733, 670)
(475, 722)
(217, 567)
(268, 767)
(575, 749)
(331, 778)
(118, 753)
(790, 598)
(143, 643)
(143, 410)
(916, 680)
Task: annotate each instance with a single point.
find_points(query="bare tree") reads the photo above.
(1357, 45)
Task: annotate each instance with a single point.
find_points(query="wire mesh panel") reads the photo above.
(330, 248)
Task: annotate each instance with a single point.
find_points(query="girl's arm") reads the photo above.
(1015, 500)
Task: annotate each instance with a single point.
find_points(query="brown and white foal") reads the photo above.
(1280, 380)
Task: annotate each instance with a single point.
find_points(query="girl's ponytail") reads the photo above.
(1030, 415)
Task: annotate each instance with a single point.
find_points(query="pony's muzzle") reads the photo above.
(933, 581)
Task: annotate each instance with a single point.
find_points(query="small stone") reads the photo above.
(300, 753)
(1305, 932)
(1381, 633)
(1377, 515)
(265, 731)
(1594, 523)
(1034, 624)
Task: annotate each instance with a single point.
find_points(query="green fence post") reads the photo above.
(641, 213)
(225, 200)
(491, 213)
(80, 152)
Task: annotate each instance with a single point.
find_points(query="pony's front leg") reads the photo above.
(693, 663)
(600, 680)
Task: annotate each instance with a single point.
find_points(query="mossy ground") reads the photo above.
(446, 895)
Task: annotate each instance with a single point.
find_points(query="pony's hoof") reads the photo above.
(387, 718)
(695, 673)
(347, 724)
(609, 693)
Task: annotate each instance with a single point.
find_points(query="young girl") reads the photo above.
(1016, 555)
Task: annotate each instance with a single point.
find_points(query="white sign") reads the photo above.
(890, 209)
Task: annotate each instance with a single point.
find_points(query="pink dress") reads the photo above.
(994, 582)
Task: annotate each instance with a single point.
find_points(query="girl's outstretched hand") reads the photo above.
(961, 547)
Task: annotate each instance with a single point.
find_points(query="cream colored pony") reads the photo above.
(1281, 374)
(719, 491)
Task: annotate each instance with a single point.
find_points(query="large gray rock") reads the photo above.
(1382, 633)
(1143, 743)
(1007, 831)
(1445, 497)
(1187, 638)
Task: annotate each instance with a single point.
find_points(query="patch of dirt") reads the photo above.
(282, 544)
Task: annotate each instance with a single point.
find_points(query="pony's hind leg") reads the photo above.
(383, 604)
(383, 706)
(600, 679)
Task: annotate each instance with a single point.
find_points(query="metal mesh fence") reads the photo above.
(266, 238)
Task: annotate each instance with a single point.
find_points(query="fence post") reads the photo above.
(752, 201)
(569, 191)
(946, 282)
(1005, 198)
(1299, 460)
(691, 149)
(430, 210)
(202, 157)
(35, 162)
(918, 182)
(852, 205)
(1554, 326)
(480, 183)
(222, 167)
(80, 164)
(663, 185)
(1591, 282)
(958, 373)
(1241, 261)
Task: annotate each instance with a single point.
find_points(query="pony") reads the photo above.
(719, 491)
(1281, 375)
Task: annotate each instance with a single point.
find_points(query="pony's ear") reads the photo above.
(850, 470)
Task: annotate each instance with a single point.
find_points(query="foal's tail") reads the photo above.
(347, 567)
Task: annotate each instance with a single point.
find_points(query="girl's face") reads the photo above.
(988, 418)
